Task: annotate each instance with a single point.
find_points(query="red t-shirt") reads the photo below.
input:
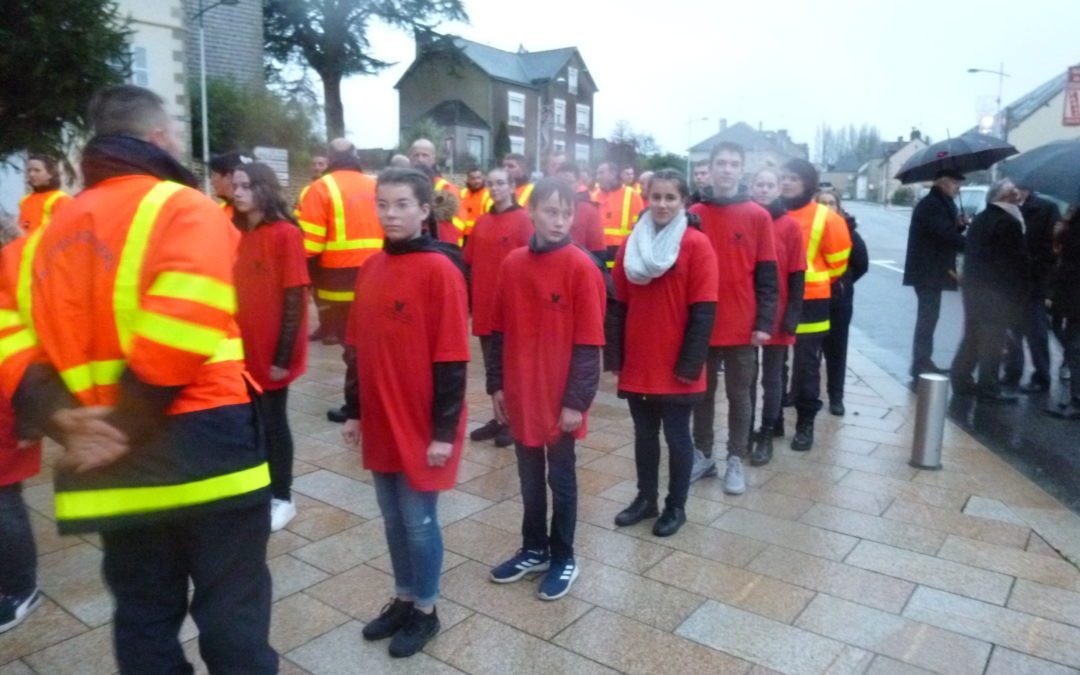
(16, 464)
(547, 303)
(586, 230)
(269, 259)
(493, 238)
(656, 317)
(790, 257)
(411, 311)
(741, 235)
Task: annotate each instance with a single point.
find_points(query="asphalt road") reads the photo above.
(1045, 449)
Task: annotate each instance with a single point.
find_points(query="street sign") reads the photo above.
(1071, 117)
(277, 159)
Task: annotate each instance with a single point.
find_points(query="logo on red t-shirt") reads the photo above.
(397, 312)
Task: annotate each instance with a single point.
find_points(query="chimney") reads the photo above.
(425, 38)
(916, 135)
(899, 139)
(723, 124)
(783, 135)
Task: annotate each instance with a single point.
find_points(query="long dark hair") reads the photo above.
(266, 192)
(51, 166)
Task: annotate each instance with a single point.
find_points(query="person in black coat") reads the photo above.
(934, 239)
(1065, 305)
(996, 288)
(841, 307)
(1040, 216)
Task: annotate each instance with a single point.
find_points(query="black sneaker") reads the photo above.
(337, 415)
(803, 439)
(503, 439)
(669, 521)
(836, 408)
(391, 619)
(418, 630)
(641, 508)
(14, 609)
(486, 432)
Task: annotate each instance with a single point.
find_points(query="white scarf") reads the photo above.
(650, 254)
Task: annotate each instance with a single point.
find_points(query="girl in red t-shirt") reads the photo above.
(666, 285)
(271, 281)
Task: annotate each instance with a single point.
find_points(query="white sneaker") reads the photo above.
(281, 513)
(703, 466)
(734, 481)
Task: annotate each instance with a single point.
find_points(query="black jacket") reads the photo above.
(1065, 281)
(997, 271)
(934, 239)
(843, 290)
(1040, 216)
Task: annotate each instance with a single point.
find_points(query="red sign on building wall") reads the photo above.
(1071, 117)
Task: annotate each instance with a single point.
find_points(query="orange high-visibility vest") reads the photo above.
(473, 205)
(38, 208)
(458, 221)
(136, 275)
(523, 193)
(619, 210)
(339, 220)
(828, 247)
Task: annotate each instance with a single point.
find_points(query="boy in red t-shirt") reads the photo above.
(545, 370)
(271, 278)
(497, 233)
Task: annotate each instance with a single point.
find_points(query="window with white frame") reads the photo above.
(140, 67)
(571, 80)
(517, 144)
(581, 153)
(560, 115)
(559, 145)
(582, 121)
(515, 111)
(475, 147)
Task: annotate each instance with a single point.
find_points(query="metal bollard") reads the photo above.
(933, 393)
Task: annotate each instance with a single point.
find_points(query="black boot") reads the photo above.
(503, 437)
(390, 620)
(669, 521)
(486, 432)
(836, 407)
(417, 632)
(778, 427)
(803, 439)
(763, 450)
(641, 508)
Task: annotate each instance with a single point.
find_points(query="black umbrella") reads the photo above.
(963, 154)
(1053, 169)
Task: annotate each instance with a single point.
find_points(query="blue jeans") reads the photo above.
(649, 416)
(18, 564)
(560, 461)
(411, 520)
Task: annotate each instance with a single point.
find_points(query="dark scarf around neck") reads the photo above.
(107, 157)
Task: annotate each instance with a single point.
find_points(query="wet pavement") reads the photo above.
(1045, 449)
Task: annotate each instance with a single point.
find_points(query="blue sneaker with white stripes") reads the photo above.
(558, 580)
(523, 563)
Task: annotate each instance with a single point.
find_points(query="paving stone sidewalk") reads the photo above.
(843, 560)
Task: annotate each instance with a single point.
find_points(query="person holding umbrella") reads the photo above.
(934, 239)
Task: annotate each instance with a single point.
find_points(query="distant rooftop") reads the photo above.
(522, 67)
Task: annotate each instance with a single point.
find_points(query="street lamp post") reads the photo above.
(1001, 115)
(203, 9)
(690, 141)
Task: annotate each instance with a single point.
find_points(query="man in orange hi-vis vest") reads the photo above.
(475, 199)
(828, 247)
(620, 206)
(119, 341)
(452, 229)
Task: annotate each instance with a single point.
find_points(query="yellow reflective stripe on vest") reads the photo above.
(816, 327)
(177, 333)
(229, 349)
(96, 373)
(313, 247)
(109, 502)
(625, 224)
(353, 244)
(823, 275)
(16, 342)
(23, 294)
(9, 318)
(817, 230)
(46, 210)
(129, 271)
(195, 288)
(312, 228)
(838, 256)
(441, 183)
(335, 296)
(526, 194)
(339, 207)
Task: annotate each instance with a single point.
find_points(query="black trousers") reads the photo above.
(980, 347)
(806, 376)
(650, 415)
(926, 318)
(147, 568)
(18, 564)
(559, 460)
(834, 348)
(279, 440)
(1035, 329)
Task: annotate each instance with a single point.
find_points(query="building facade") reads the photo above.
(234, 40)
(541, 101)
(763, 148)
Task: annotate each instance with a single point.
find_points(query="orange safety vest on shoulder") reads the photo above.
(337, 214)
(474, 205)
(136, 274)
(38, 208)
(619, 210)
(458, 221)
(828, 247)
(523, 193)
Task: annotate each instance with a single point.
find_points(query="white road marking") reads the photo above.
(887, 264)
